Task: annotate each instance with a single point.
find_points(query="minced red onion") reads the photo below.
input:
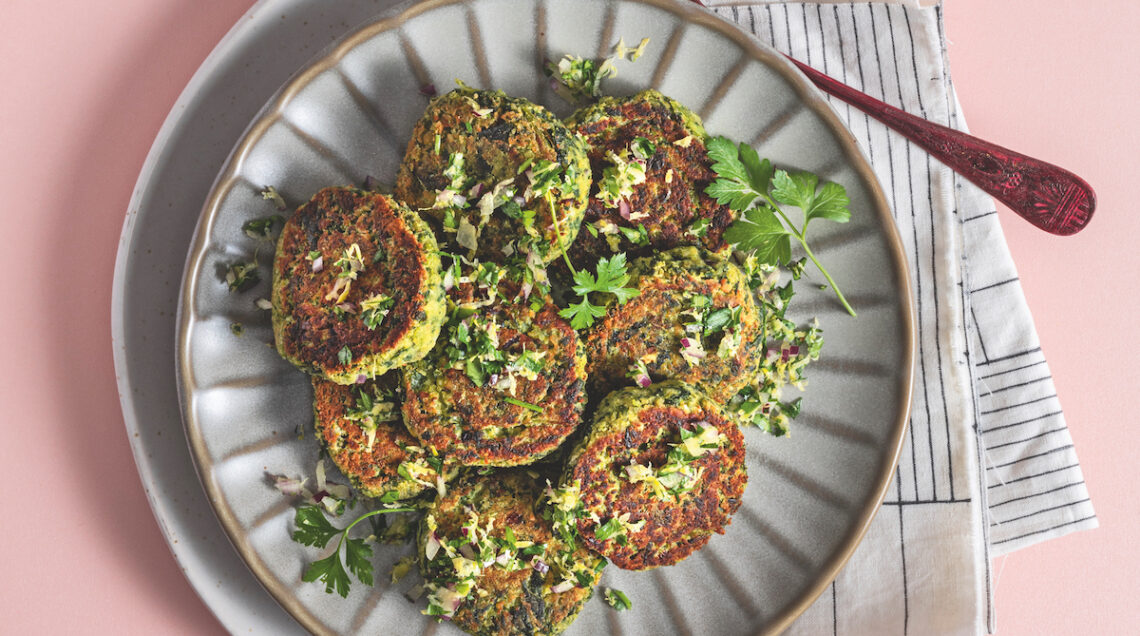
(562, 586)
(539, 566)
(428, 90)
(625, 209)
(318, 264)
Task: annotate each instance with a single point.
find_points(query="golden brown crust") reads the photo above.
(509, 602)
(640, 425)
(368, 442)
(650, 327)
(477, 425)
(504, 137)
(400, 261)
(672, 197)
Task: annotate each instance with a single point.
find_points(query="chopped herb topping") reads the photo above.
(459, 562)
(371, 409)
(344, 355)
(617, 599)
(271, 194)
(618, 179)
(236, 328)
(677, 475)
(240, 276)
(351, 263)
(698, 228)
(707, 323)
(639, 373)
(637, 236)
(581, 79)
(374, 309)
(525, 405)
(262, 229)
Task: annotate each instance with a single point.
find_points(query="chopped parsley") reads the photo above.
(678, 475)
(708, 322)
(269, 193)
(344, 355)
(370, 409)
(242, 275)
(374, 309)
(617, 599)
(788, 351)
(619, 178)
(262, 229)
(525, 405)
(457, 563)
(581, 79)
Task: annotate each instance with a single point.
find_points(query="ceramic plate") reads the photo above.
(347, 116)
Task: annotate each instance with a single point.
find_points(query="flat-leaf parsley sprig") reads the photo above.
(314, 529)
(611, 278)
(754, 188)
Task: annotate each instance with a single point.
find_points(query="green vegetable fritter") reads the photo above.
(487, 167)
(357, 289)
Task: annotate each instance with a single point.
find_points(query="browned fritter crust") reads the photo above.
(400, 260)
(506, 135)
(509, 602)
(676, 175)
(649, 328)
(475, 425)
(639, 425)
(360, 427)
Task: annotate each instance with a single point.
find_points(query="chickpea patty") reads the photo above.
(504, 386)
(494, 565)
(650, 169)
(361, 428)
(357, 289)
(694, 320)
(487, 167)
(660, 471)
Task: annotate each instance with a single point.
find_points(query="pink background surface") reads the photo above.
(86, 87)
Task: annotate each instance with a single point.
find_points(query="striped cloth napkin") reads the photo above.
(988, 466)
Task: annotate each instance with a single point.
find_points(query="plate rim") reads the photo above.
(395, 17)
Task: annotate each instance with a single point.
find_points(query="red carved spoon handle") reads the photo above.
(1047, 196)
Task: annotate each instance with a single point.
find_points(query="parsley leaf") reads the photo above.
(330, 572)
(314, 529)
(760, 230)
(612, 276)
(582, 315)
(752, 187)
(356, 555)
(799, 189)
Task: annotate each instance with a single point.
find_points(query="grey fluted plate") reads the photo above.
(348, 115)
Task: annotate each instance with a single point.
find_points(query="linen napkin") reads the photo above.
(988, 466)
